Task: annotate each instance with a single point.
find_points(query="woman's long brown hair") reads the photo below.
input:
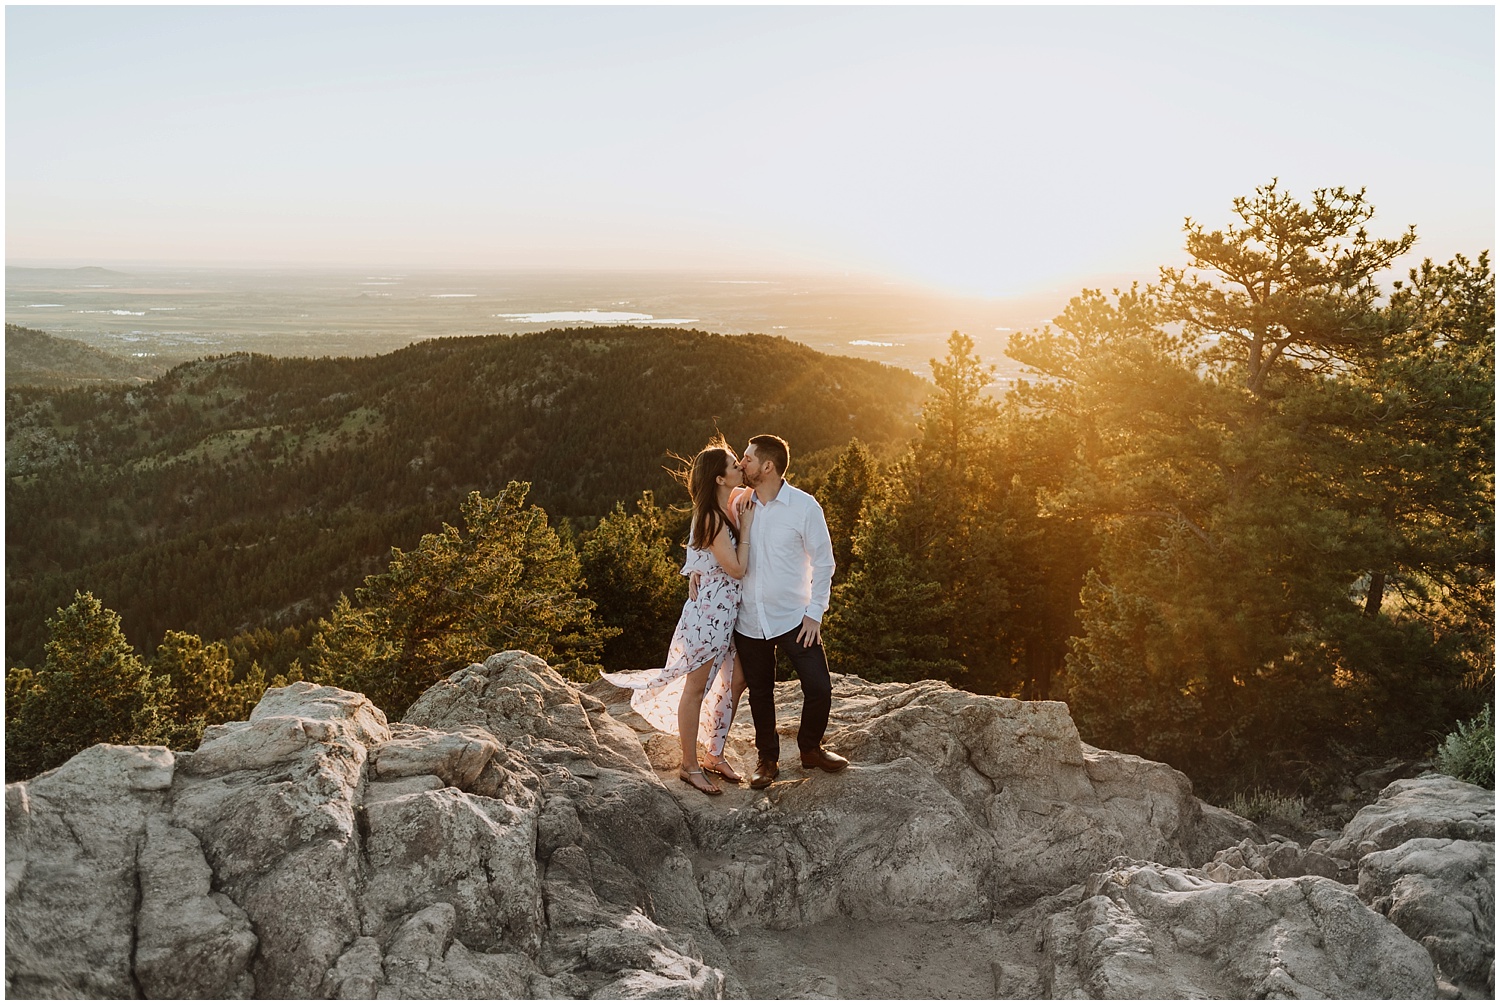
(703, 486)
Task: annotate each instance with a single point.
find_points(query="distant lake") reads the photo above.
(183, 314)
(593, 318)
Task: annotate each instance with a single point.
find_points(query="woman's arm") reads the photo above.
(737, 499)
(734, 558)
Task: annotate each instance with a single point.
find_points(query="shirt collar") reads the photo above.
(784, 496)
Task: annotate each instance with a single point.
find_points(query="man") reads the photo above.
(785, 597)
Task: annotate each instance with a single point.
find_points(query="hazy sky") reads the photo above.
(978, 149)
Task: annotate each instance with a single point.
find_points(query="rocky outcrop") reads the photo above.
(72, 843)
(962, 804)
(1431, 806)
(274, 804)
(517, 836)
(1141, 930)
(611, 849)
(1440, 892)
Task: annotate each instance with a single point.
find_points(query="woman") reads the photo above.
(701, 683)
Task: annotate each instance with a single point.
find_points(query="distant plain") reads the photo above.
(172, 315)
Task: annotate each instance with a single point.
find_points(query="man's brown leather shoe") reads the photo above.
(765, 774)
(825, 759)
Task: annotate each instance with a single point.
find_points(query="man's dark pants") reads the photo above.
(758, 662)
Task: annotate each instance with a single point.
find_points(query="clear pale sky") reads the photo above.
(977, 149)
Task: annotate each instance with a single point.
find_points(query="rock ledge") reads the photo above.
(519, 837)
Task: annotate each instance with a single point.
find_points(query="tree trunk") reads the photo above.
(1375, 595)
(1039, 660)
(1044, 678)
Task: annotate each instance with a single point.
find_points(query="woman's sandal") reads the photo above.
(708, 788)
(723, 770)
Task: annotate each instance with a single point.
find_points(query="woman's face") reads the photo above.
(732, 477)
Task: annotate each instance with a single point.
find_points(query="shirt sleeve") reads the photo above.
(697, 561)
(820, 550)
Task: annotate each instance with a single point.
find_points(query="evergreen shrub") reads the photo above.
(1468, 753)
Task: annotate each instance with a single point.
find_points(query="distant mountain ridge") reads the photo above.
(24, 274)
(38, 359)
(246, 491)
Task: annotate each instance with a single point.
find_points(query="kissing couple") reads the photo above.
(760, 564)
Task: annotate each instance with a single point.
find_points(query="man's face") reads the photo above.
(754, 469)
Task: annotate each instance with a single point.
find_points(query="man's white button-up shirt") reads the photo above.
(790, 568)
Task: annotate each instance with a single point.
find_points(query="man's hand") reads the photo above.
(693, 578)
(811, 632)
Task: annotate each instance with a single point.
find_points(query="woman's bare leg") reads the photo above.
(688, 710)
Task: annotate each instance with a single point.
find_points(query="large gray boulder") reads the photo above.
(73, 836)
(191, 940)
(1141, 930)
(516, 698)
(1441, 892)
(610, 852)
(274, 802)
(1431, 806)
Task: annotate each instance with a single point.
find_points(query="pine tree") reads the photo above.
(93, 688)
(853, 478)
(202, 678)
(1248, 443)
(1417, 452)
(886, 623)
(944, 546)
(504, 581)
(633, 577)
(202, 675)
(1287, 292)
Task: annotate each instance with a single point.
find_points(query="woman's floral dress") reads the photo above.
(705, 634)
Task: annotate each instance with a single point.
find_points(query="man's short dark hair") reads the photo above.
(774, 449)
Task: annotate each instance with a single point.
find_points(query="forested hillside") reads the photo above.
(34, 358)
(247, 491)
